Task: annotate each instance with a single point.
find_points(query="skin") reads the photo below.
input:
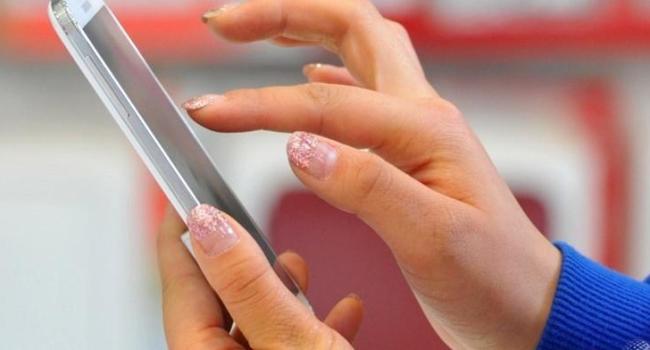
(407, 164)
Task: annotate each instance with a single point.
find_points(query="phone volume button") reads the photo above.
(107, 90)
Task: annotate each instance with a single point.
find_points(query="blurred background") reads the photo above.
(557, 91)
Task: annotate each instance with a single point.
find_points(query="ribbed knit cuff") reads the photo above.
(595, 307)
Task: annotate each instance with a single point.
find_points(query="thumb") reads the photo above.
(393, 203)
(267, 313)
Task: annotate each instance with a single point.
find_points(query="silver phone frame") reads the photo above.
(68, 19)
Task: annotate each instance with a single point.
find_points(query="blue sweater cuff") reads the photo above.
(595, 307)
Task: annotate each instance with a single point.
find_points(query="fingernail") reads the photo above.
(211, 229)
(355, 297)
(218, 11)
(309, 153)
(201, 102)
(308, 69)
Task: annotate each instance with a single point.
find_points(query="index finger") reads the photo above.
(377, 52)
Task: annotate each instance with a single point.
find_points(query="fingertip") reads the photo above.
(198, 103)
(329, 74)
(312, 154)
(346, 316)
(216, 13)
(215, 112)
(245, 21)
(308, 69)
(356, 298)
(213, 230)
(296, 267)
(171, 224)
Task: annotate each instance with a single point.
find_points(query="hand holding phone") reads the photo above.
(233, 265)
(153, 124)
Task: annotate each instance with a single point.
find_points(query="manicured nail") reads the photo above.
(211, 229)
(308, 69)
(309, 153)
(201, 102)
(218, 11)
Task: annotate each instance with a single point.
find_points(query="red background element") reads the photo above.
(617, 27)
(596, 106)
(345, 256)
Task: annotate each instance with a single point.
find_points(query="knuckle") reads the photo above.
(360, 15)
(244, 283)
(371, 179)
(324, 98)
(449, 110)
(443, 121)
(322, 95)
(398, 27)
(439, 108)
(361, 8)
(307, 335)
(169, 286)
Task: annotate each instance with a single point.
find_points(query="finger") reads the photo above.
(346, 317)
(297, 268)
(287, 42)
(324, 73)
(267, 313)
(299, 272)
(362, 183)
(192, 313)
(397, 130)
(377, 52)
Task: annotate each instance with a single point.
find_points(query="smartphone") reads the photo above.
(154, 125)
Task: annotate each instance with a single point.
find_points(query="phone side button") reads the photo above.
(106, 89)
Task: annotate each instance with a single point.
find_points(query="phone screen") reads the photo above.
(173, 134)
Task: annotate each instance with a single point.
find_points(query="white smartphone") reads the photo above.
(146, 114)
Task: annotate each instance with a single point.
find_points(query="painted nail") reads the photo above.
(211, 229)
(308, 69)
(201, 102)
(309, 153)
(218, 11)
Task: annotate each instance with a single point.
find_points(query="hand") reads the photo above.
(483, 274)
(233, 265)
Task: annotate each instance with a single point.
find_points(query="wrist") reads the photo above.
(548, 267)
(529, 304)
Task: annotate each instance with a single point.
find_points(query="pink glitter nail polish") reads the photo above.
(201, 102)
(211, 229)
(307, 152)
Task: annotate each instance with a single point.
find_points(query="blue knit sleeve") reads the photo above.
(596, 308)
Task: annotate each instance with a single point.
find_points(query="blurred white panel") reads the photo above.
(72, 248)
(633, 85)
(459, 14)
(75, 260)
